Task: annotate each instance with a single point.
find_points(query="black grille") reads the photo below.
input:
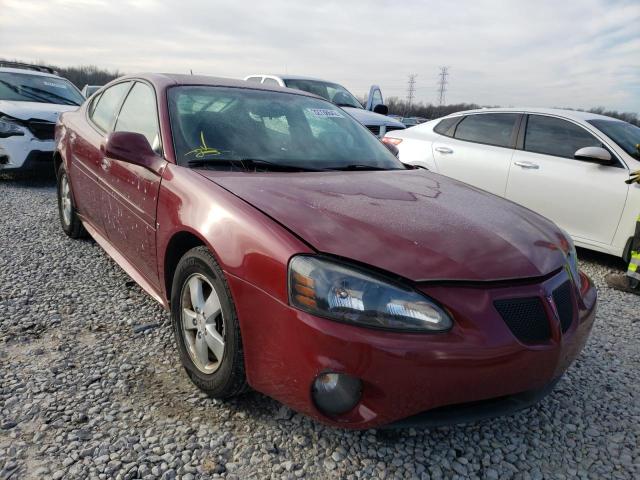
(564, 304)
(41, 129)
(526, 318)
(374, 128)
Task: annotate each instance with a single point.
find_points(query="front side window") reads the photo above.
(554, 136)
(24, 87)
(105, 109)
(376, 98)
(488, 128)
(333, 92)
(627, 136)
(217, 126)
(139, 114)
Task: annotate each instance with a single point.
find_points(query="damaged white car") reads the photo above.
(31, 99)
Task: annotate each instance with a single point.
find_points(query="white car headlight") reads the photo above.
(349, 294)
(9, 128)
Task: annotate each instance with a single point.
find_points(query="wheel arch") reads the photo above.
(179, 244)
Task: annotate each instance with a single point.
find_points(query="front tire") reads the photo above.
(206, 326)
(69, 219)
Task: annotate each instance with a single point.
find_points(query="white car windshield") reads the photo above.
(627, 136)
(333, 92)
(23, 87)
(220, 127)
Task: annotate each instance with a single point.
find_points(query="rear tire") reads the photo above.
(69, 219)
(206, 326)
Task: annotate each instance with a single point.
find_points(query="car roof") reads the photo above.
(287, 76)
(561, 112)
(26, 71)
(166, 80)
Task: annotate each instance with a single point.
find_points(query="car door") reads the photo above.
(478, 150)
(132, 190)
(87, 156)
(584, 198)
(374, 98)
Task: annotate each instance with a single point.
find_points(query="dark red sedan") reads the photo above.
(299, 257)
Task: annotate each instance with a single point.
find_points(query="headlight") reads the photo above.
(572, 260)
(348, 294)
(9, 128)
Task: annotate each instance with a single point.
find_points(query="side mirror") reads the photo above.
(594, 154)
(381, 109)
(132, 148)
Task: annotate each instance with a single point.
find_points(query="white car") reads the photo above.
(374, 116)
(31, 98)
(569, 166)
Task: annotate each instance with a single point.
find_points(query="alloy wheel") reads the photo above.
(202, 323)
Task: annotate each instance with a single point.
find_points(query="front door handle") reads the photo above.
(445, 150)
(525, 164)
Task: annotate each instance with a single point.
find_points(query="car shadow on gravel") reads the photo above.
(42, 178)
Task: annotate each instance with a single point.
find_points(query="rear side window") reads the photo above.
(554, 136)
(139, 114)
(105, 110)
(445, 125)
(489, 128)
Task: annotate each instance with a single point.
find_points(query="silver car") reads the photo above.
(374, 116)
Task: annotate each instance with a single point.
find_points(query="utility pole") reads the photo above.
(442, 84)
(411, 90)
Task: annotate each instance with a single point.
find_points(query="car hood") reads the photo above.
(416, 224)
(34, 110)
(367, 117)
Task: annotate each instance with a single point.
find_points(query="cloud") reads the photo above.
(544, 53)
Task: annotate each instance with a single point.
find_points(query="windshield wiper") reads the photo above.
(42, 91)
(251, 163)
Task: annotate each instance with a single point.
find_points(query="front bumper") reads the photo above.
(407, 374)
(25, 152)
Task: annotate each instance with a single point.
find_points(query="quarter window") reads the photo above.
(445, 124)
(139, 114)
(104, 112)
(489, 128)
(553, 136)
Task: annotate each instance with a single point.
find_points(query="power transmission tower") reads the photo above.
(411, 90)
(442, 84)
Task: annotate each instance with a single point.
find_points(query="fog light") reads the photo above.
(336, 393)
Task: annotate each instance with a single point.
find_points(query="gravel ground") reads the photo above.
(91, 387)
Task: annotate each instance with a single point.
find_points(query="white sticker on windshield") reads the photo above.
(57, 85)
(325, 112)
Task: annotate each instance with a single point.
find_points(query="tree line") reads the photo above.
(398, 106)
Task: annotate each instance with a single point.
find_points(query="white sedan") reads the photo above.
(569, 166)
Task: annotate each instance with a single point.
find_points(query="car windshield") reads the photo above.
(627, 136)
(219, 126)
(24, 87)
(330, 91)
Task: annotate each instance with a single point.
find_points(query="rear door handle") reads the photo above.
(443, 150)
(525, 164)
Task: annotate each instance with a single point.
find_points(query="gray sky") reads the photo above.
(580, 53)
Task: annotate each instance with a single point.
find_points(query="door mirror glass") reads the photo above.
(381, 109)
(594, 154)
(130, 147)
